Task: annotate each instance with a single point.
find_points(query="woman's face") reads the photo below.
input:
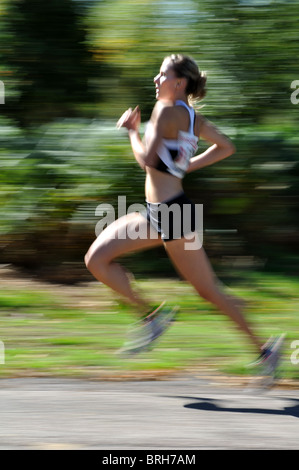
(165, 82)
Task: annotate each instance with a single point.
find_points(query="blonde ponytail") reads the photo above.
(185, 66)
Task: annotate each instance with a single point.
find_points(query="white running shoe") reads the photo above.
(269, 359)
(144, 332)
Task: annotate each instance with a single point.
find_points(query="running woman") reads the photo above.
(166, 154)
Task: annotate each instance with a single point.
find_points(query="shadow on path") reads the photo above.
(209, 404)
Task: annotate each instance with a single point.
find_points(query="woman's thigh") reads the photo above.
(127, 234)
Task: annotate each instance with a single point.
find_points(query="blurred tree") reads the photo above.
(133, 37)
(70, 58)
(253, 48)
(49, 62)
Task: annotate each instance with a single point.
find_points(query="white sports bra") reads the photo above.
(174, 154)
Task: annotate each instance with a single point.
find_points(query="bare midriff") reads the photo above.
(160, 186)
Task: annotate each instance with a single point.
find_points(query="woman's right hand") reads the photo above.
(130, 119)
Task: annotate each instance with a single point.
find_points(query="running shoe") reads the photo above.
(161, 319)
(144, 332)
(270, 357)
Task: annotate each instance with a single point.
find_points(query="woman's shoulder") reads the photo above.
(163, 108)
(163, 112)
(199, 121)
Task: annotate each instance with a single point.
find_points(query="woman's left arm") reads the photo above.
(222, 147)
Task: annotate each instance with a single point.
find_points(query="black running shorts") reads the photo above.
(174, 218)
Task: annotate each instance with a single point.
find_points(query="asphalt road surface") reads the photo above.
(172, 414)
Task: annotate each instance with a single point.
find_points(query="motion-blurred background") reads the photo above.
(69, 68)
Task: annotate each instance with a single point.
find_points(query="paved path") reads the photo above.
(176, 414)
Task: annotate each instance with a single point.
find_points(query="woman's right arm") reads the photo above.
(131, 120)
(145, 156)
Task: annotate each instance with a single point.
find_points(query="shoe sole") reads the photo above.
(146, 344)
(270, 369)
(268, 372)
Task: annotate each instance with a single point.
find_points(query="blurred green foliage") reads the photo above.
(70, 68)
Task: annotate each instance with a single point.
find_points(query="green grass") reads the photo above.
(75, 331)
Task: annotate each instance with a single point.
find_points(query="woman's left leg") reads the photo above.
(114, 242)
(195, 267)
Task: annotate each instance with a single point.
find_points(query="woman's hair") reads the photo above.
(185, 66)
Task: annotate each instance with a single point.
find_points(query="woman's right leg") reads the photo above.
(195, 267)
(113, 242)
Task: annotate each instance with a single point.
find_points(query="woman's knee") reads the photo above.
(87, 259)
(95, 261)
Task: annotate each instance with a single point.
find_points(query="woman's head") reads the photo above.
(178, 66)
